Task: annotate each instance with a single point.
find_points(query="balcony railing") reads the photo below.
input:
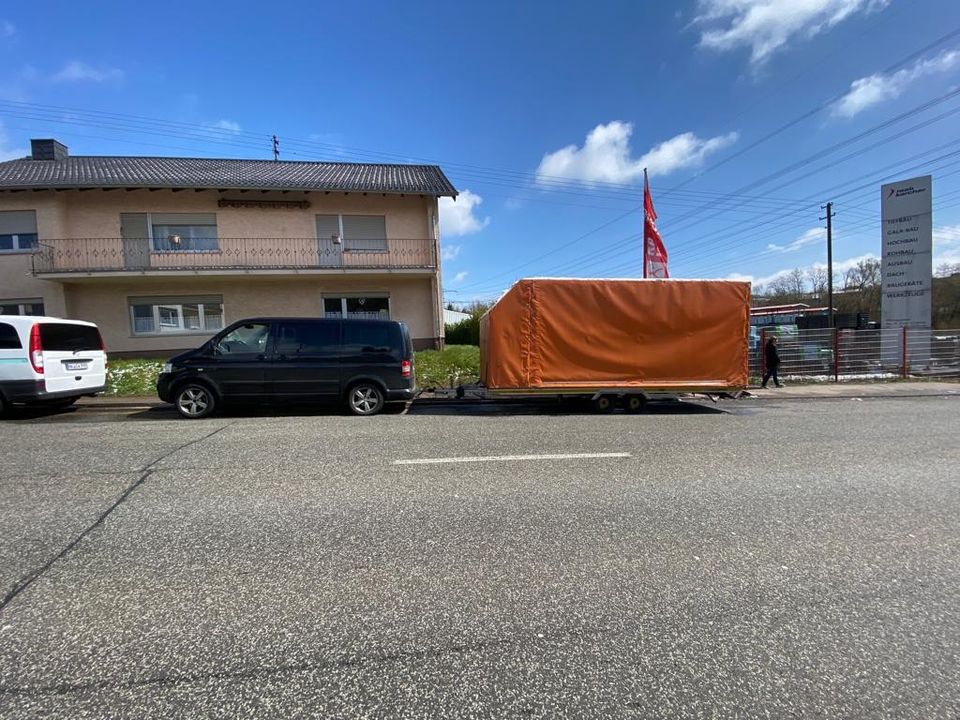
(109, 255)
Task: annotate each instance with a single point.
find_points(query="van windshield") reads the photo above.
(68, 337)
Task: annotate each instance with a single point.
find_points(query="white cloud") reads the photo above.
(946, 245)
(875, 89)
(766, 26)
(460, 276)
(7, 29)
(839, 267)
(946, 251)
(606, 156)
(76, 71)
(228, 125)
(946, 235)
(813, 236)
(457, 216)
(450, 252)
(6, 151)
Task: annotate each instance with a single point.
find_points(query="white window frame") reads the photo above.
(153, 247)
(344, 240)
(178, 307)
(16, 244)
(343, 297)
(22, 302)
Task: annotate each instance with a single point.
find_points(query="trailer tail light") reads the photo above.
(406, 367)
(36, 349)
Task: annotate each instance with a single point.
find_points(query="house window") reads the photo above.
(370, 307)
(172, 232)
(359, 233)
(18, 231)
(176, 315)
(31, 306)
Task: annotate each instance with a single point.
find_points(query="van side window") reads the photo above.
(247, 339)
(308, 338)
(9, 340)
(363, 337)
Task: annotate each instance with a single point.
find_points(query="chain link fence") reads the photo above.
(869, 354)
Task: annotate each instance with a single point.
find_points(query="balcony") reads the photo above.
(117, 256)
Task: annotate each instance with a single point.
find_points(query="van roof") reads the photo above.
(310, 317)
(31, 319)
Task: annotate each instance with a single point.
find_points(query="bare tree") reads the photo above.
(817, 275)
(864, 275)
(863, 281)
(797, 282)
(947, 269)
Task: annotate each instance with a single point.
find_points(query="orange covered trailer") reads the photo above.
(570, 335)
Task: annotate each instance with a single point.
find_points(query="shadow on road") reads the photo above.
(91, 413)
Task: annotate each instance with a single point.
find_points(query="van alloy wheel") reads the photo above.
(365, 399)
(194, 401)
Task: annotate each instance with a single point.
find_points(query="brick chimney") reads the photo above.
(48, 150)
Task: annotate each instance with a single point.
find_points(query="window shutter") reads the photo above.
(18, 221)
(364, 227)
(133, 226)
(184, 219)
(327, 226)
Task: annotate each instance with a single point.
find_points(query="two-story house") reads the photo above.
(163, 252)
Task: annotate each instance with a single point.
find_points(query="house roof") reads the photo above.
(78, 171)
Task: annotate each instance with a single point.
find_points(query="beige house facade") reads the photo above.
(161, 253)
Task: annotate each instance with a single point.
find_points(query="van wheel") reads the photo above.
(365, 399)
(194, 401)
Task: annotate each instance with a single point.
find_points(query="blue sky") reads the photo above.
(543, 114)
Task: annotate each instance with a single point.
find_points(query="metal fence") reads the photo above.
(833, 354)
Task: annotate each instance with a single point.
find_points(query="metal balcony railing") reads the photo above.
(94, 255)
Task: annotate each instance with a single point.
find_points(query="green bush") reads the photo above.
(452, 366)
(465, 332)
(133, 377)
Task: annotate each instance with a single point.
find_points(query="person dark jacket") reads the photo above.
(772, 356)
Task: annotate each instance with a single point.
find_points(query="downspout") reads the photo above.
(433, 218)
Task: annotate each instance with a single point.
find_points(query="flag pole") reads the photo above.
(646, 189)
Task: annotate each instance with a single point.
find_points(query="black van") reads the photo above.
(362, 363)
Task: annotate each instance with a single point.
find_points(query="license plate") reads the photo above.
(77, 365)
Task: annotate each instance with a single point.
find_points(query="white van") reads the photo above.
(49, 361)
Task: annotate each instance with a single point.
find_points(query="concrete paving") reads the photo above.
(746, 559)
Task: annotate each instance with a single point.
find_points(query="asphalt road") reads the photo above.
(768, 559)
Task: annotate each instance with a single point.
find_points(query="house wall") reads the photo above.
(105, 303)
(16, 279)
(96, 214)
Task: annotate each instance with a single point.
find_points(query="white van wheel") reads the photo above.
(194, 401)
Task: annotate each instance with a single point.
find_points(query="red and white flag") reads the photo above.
(654, 252)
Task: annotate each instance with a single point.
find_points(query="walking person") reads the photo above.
(772, 357)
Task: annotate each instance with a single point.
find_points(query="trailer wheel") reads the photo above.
(634, 403)
(603, 403)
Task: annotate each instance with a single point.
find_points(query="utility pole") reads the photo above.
(276, 148)
(829, 219)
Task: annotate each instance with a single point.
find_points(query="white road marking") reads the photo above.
(505, 458)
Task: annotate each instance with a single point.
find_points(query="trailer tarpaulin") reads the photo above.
(653, 334)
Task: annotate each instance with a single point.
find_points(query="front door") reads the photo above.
(306, 361)
(239, 361)
(329, 241)
(136, 241)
